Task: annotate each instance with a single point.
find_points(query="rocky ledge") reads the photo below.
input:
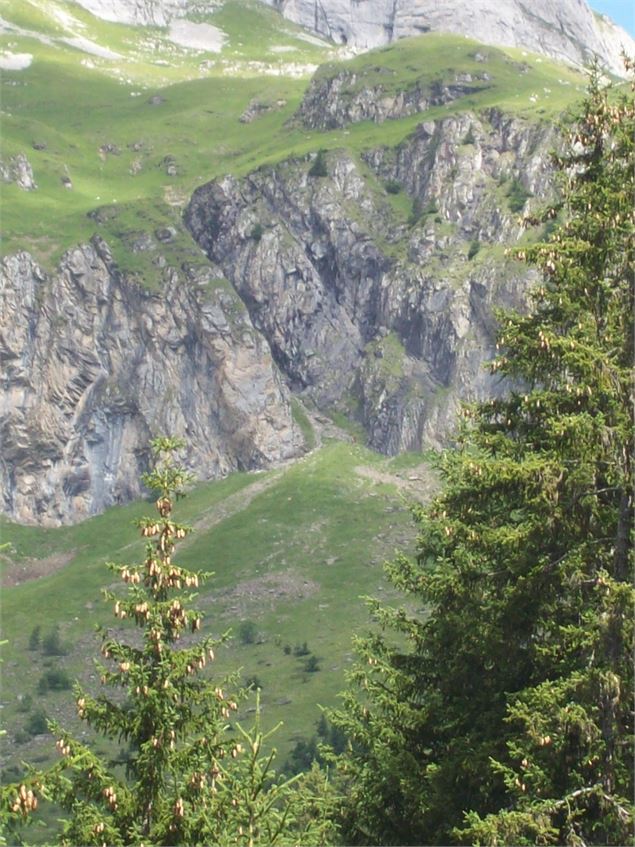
(333, 101)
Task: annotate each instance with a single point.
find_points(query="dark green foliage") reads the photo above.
(330, 735)
(190, 776)
(311, 664)
(25, 704)
(517, 195)
(303, 754)
(55, 679)
(35, 638)
(415, 213)
(501, 711)
(318, 168)
(469, 137)
(257, 231)
(37, 723)
(393, 186)
(301, 649)
(52, 643)
(474, 247)
(306, 752)
(247, 632)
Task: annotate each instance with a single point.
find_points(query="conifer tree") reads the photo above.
(190, 777)
(502, 714)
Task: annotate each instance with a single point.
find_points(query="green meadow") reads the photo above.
(118, 145)
(294, 550)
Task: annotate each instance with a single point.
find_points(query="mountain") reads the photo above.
(566, 30)
(237, 227)
(242, 234)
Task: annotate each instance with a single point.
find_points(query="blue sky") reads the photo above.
(622, 12)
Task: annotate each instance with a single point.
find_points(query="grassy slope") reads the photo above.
(197, 122)
(295, 559)
(318, 522)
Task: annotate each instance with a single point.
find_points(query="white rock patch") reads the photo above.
(312, 39)
(15, 61)
(88, 46)
(197, 36)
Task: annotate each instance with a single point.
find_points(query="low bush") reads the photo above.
(392, 186)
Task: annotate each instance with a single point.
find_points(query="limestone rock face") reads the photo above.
(563, 29)
(141, 12)
(388, 319)
(94, 366)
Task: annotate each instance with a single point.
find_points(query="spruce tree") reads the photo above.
(191, 775)
(496, 706)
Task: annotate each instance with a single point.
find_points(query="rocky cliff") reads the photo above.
(94, 365)
(566, 30)
(368, 309)
(333, 101)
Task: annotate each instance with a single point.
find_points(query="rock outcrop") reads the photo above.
(18, 170)
(333, 101)
(93, 366)
(141, 12)
(386, 318)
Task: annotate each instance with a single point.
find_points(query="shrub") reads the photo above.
(54, 680)
(35, 638)
(247, 632)
(415, 214)
(25, 703)
(318, 168)
(475, 246)
(392, 186)
(257, 231)
(302, 756)
(52, 643)
(312, 664)
(517, 196)
(301, 649)
(37, 724)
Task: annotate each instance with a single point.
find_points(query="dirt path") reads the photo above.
(418, 484)
(29, 569)
(233, 504)
(227, 508)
